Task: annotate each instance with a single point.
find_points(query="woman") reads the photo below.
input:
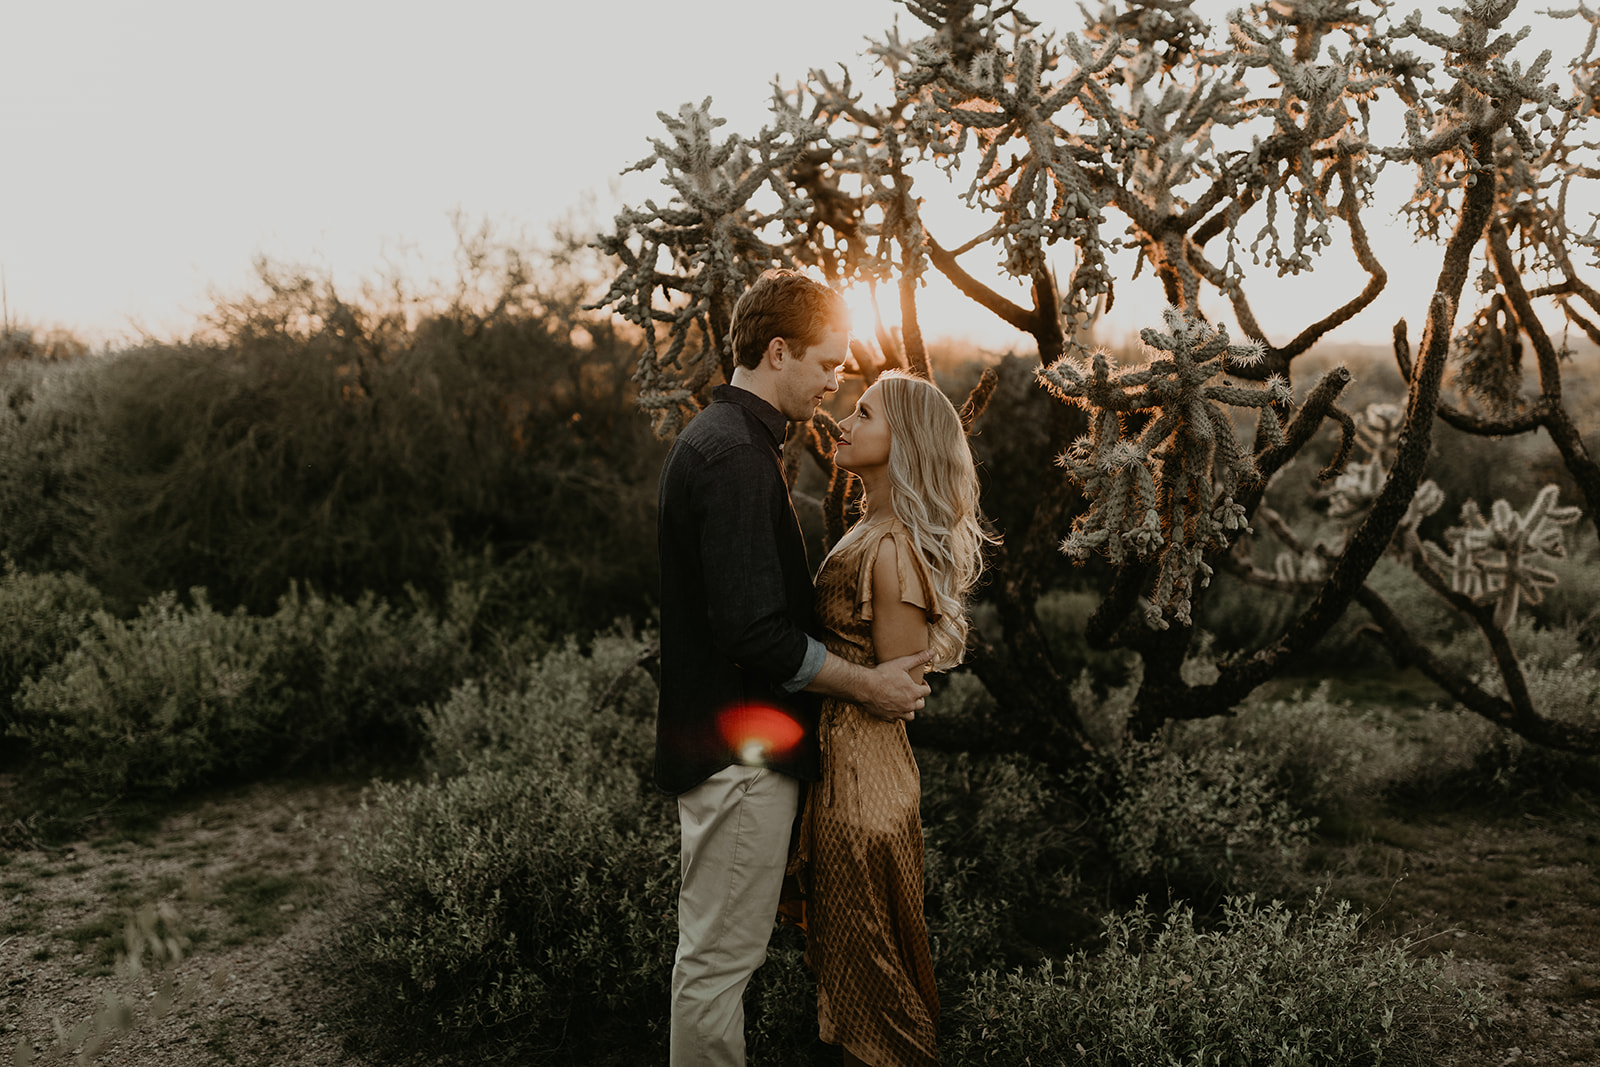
(893, 585)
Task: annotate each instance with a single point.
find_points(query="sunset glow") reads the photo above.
(859, 298)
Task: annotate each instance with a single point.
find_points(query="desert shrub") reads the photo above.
(1573, 604)
(173, 697)
(525, 901)
(41, 616)
(355, 445)
(352, 677)
(1321, 755)
(182, 695)
(1191, 822)
(1270, 986)
(1000, 859)
(1184, 815)
(1063, 615)
(1478, 760)
(780, 1022)
(50, 442)
(542, 712)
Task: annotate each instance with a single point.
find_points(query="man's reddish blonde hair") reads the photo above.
(787, 304)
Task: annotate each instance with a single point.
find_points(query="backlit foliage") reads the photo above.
(1167, 490)
(1215, 150)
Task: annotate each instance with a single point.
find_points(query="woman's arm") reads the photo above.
(898, 628)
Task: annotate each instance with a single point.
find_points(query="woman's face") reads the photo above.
(864, 448)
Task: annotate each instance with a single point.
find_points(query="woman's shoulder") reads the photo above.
(891, 565)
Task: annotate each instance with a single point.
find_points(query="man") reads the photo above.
(735, 734)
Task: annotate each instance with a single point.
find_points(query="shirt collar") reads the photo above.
(770, 417)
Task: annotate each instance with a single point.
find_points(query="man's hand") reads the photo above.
(896, 689)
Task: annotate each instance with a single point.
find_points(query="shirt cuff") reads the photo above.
(810, 667)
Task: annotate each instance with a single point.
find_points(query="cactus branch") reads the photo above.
(1013, 314)
(1373, 535)
(1516, 714)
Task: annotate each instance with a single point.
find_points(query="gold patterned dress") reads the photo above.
(858, 856)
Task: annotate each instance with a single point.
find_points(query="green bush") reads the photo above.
(186, 695)
(357, 446)
(1322, 756)
(50, 444)
(1479, 760)
(999, 863)
(1270, 987)
(526, 901)
(353, 678)
(1195, 822)
(41, 616)
(177, 695)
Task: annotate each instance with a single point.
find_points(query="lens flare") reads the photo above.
(758, 733)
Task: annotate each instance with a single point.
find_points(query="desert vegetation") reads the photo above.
(1283, 684)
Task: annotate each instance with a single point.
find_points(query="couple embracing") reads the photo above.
(768, 783)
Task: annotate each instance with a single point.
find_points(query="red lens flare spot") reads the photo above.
(758, 733)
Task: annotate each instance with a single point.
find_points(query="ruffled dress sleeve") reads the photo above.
(915, 586)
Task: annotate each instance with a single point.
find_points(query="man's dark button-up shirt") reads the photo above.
(735, 602)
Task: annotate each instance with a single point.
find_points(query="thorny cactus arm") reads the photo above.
(1464, 585)
(1492, 567)
(1370, 539)
(1552, 414)
(876, 234)
(1516, 713)
(1278, 358)
(1166, 494)
(1500, 560)
(715, 242)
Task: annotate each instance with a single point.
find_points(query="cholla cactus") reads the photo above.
(1354, 491)
(1304, 568)
(1312, 112)
(1488, 354)
(715, 240)
(1377, 431)
(1498, 561)
(1167, 491)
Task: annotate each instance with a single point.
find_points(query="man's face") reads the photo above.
(804, 381)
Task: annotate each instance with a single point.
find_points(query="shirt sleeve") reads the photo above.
(742, 502)
(810, 667)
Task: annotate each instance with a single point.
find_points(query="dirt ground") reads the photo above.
(252, 879)
(1513, 896)
(245, 877)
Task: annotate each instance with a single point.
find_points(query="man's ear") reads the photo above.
(777, 350)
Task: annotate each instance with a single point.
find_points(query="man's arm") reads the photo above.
(894, 689)
(888, 690)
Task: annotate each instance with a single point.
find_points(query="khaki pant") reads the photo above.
(735, 829)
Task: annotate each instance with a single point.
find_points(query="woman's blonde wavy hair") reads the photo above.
(933, 487)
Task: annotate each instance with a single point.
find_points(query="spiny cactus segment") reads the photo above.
(1166, 490)
(1488, 356)
(1498, 560)
(685, 263)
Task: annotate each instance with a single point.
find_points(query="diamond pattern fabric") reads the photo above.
(858, 856)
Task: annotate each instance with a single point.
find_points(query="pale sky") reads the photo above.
(155, 147)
